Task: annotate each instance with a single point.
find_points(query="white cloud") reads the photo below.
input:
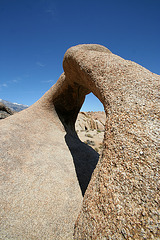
(48, 81)
(50, 11)
(40, 64)
(4, 85)
(9, 82)
(15, 81)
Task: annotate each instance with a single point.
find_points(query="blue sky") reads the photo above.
(35, 34)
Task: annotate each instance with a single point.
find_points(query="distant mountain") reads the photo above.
(14, 106)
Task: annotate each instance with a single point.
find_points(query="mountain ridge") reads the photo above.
(14, 106)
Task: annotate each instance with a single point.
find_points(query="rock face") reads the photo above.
(46, 168)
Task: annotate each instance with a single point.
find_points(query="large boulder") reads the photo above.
(46, 168)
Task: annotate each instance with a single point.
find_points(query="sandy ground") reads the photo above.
(93, 138)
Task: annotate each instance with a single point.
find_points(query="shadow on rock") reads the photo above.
(85, 160)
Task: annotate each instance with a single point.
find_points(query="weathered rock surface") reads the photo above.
(42, 157)
(44, 169)
(121, 201)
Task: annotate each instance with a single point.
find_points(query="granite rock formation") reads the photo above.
(46, 168)
(90, 121)
(5, 111)
(121, 201)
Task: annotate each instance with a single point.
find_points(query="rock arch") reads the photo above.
(69, 92)
(122, 197)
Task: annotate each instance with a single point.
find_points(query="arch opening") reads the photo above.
(67, 105)
(78, 81)
(90, 123)
(85, 154)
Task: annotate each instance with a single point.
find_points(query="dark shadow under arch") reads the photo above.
(85, 159)
(69, 95)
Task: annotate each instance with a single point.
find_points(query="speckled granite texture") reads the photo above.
(121, 201)
(45, 168)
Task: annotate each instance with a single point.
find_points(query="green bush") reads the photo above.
(98, 131)
(89, 135)
(96, 149)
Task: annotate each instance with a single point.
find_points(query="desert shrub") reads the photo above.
(90, 143)
(89, 135)
(100, 145)
(96, 149)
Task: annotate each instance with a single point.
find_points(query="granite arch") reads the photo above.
(123, 187)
